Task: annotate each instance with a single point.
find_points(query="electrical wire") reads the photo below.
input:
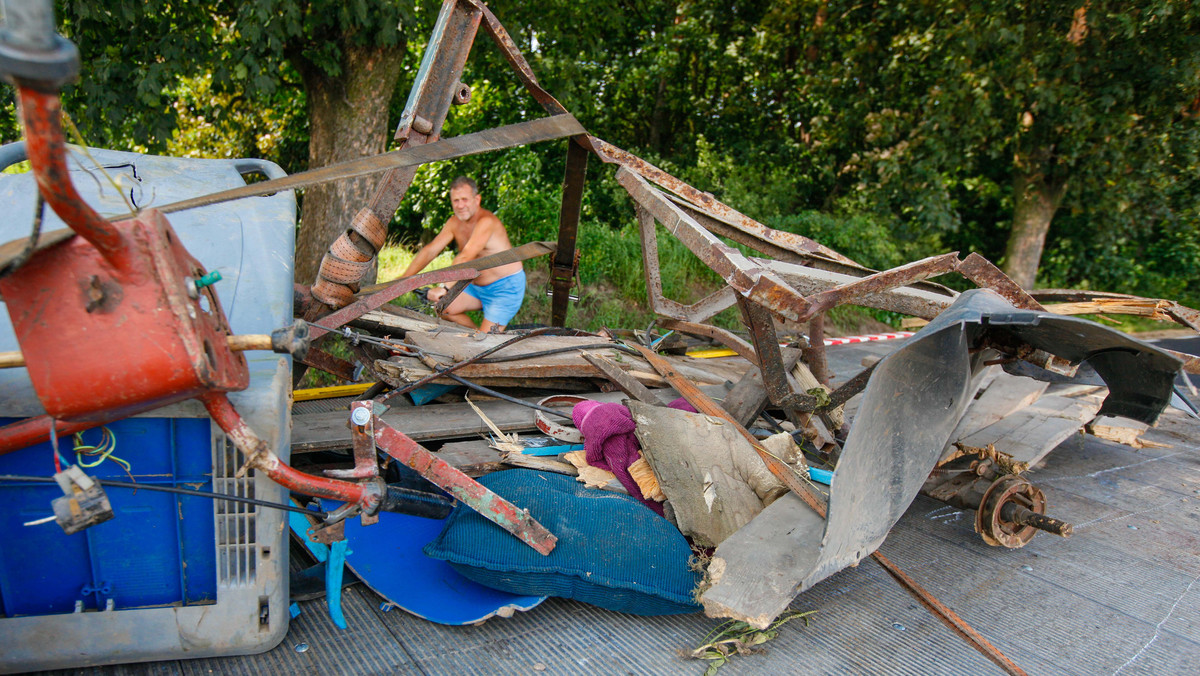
(173, 489)
(500, 395)
(105, 449)
(558, 350)
(54, 445)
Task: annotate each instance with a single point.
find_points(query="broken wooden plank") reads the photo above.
(1142, 307)
(805, 383)
(623, 380)
(448, 349)
(1031, 433)
(1120, 430)
(1006, 395)
(406, 370)
(746, 401)
(558, 467)
(328, 431)
(473, 458)
(390, 318)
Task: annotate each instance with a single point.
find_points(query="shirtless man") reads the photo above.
(498, 291)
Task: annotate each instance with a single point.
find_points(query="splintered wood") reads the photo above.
(545, 361)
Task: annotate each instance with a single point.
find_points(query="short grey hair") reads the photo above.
(464, 181)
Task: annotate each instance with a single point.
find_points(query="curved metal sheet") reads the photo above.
(911, 406)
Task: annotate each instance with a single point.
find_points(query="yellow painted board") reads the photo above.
(330, 392)
(710, 352)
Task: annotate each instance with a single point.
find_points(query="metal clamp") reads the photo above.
(557, 430)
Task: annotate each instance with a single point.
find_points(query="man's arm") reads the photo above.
(479, 239)
(430, 251)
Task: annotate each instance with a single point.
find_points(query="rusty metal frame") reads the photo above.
(566, 259)
(770, 359)
(745, 277)
(660, 304)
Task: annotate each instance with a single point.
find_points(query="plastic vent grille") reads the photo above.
(235, 521)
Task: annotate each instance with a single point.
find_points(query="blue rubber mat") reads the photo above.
(387, 557)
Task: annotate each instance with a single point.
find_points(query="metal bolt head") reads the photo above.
(301, 647)
(360, 416)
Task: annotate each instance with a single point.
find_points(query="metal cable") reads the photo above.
(500, 395)
(173, 489)
(559, 350)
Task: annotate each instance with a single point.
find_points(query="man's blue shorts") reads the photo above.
(501, 299)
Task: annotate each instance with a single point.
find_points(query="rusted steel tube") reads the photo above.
(814, 354)
(42, 114)
(35, 430)
(1014, 513)
(948, 617)
(259, 456)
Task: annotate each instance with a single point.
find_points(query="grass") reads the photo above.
(738, 638)
(393, 259)
(612, 292)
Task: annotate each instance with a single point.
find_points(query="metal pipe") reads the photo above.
(240, 343)
(42, 115)
(36, 430)
(259, 456)
(1014, 513)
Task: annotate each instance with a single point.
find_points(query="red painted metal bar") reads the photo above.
(362, 434)
(259, 456)
(473, 494)
(42, 114)
(36, 430)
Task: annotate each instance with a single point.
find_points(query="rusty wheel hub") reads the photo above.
(990, 521)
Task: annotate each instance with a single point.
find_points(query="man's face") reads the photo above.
(465, 202)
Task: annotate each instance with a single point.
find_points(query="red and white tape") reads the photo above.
(850, 340)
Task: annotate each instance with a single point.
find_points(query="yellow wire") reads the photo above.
(108, 444)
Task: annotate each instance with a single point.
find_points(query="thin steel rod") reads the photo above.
(173, 489)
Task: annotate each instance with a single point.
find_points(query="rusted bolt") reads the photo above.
(462, 94)
(94, 294)
(421, 125)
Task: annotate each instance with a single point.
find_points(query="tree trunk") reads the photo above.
(1035, 199)
(348, 118)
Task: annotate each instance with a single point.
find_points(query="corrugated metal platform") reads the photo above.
(1122, 596)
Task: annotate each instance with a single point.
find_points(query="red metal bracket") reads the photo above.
(473, 494)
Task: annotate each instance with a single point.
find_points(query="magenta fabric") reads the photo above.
(682, 404)
(609, 442)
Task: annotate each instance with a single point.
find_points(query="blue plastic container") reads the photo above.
(167, 559)
(170, 576)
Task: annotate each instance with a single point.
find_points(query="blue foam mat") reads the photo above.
(387, 557)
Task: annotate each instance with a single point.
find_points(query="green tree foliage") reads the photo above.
(890, 129)
(342, 58)
(944, 107)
